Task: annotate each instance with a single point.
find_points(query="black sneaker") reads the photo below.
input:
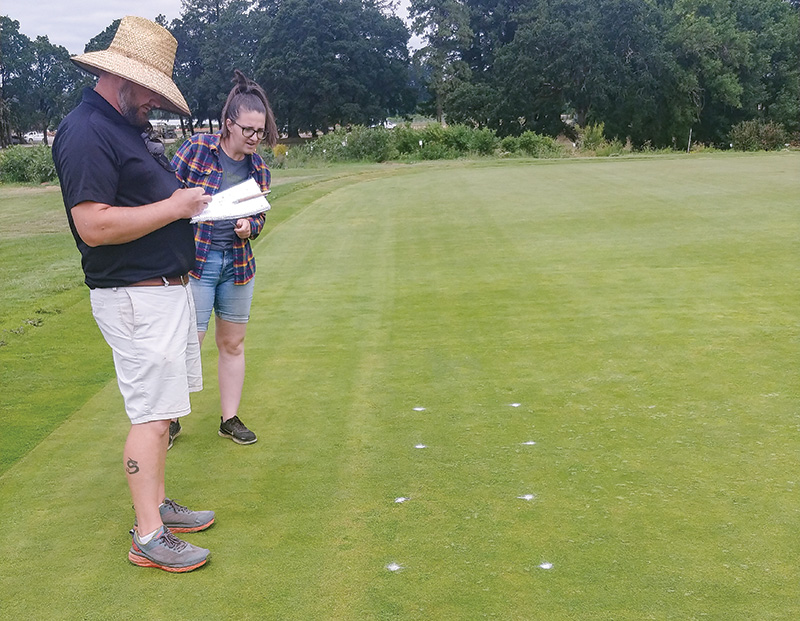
(234, 429)
(174, 432)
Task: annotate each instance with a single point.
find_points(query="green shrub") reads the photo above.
(757, 136)
(536, 145)
(20, 164)
(407, 139)
(433, 134)
(436, 151)
(170, 148)
(510, 144)
(332, 147)
(591, 137)
(606, 149)
(370, 144)
(458, 138)
(484, 141)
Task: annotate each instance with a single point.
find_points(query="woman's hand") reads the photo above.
(242, 228)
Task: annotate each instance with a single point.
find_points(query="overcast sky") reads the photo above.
(72, 23)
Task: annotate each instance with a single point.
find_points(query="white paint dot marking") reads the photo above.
(401, 499)
(527, 497)
(515, 405)
(394, 567)
(546, 566)
(529, 443)
(419, 409)
(420, 446)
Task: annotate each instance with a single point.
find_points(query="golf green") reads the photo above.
(482, 389)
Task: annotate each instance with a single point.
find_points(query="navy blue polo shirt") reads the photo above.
(101, 157)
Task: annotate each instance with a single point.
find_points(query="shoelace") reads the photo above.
(175, 506)
(171, 541)
(235, 424)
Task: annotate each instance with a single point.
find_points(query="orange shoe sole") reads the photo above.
(191, 529)
(181, 529)
(141, 561)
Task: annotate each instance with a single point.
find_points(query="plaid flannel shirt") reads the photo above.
(197, 163)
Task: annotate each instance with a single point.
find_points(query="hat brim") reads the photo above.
(137, 72)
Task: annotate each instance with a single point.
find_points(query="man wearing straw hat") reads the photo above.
(130, 220)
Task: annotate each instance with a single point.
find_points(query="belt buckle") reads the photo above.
(166, 282)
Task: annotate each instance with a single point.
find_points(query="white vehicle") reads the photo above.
(34, 137)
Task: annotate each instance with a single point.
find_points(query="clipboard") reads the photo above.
(243, 199)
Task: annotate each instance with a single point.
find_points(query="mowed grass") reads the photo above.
(635, 319)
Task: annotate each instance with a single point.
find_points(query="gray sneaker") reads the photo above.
(234, 429)
(174, 432)
(180, 519)
(165, 551)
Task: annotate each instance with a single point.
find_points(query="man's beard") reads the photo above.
(129, 110)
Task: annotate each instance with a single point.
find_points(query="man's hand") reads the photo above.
(189, 202)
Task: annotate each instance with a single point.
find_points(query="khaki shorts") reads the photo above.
(153, 336)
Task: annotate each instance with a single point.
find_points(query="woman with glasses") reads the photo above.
(222, 279)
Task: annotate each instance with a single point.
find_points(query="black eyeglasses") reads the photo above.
(248, 132)
(156, 148)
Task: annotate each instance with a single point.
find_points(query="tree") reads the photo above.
(328, 62)
(214, 38)
(602, 61)
(15, 58)
(444, 24)
(711, 52)
(53, 81)
(771, 81)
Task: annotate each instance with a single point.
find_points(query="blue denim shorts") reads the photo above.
(215, 291)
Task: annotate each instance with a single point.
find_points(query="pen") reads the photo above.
(248, 198)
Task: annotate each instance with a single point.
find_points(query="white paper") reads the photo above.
(224, 207)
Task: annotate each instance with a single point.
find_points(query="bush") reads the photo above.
(536, 145)
(606, 149)
(432, 134)
(484, 141)
(27, 165)
(591, 137)
(332, 147)
(370, 144)
(406, 139)
(757, 136)
(510, 144)
(458, 138)
(436, 151)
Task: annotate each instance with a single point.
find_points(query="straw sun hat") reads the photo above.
(142, 52)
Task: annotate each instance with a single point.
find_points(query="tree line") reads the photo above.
(650, 71)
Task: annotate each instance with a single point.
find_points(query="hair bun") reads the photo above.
(242, 81)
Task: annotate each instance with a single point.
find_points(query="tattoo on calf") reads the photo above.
(132, 466)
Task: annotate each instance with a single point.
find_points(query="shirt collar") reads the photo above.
(98, 102)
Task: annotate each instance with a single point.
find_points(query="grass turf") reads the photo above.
(642, 313)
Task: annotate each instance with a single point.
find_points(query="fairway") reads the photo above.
(482, 389)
